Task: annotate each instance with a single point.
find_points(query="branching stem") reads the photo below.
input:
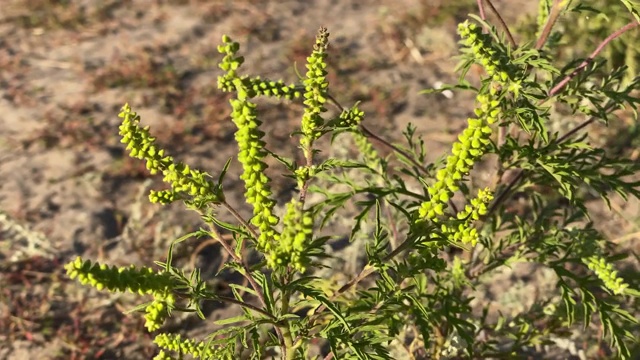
(512, 41)
(591, 57)
(368, 270)
(247, 271)
(521, 174)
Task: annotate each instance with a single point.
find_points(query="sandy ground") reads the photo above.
(67, 188)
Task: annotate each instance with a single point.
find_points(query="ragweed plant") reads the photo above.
(413, 298)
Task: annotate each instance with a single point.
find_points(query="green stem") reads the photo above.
(288, 351)
(247, 270)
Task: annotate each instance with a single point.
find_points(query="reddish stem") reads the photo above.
(595, 53)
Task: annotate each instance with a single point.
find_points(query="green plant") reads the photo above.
(584, 24)
(414, 295)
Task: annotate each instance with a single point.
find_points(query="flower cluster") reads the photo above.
(350, 118)
(288, 247)
(184, 346)
(230, 63)
(464, 232)
(478, 206)
(158, 311)
(277, 89)
(471, 145)
(138, 280)
(297, 232)
(183, 180)
(493, 59)
(249, 138)
(474, 141)
(251, 154)
(163, 356)
(141, 281)
(607, 274)
(315, 94)
(304, 174)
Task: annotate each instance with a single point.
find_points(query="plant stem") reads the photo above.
(244, 223)
(512, 41)
(481, 10)
(368, 270)
(245, 266)
(286, 331)
(500, 198)
(548, 26)
(590, 59)
(243, 304)
(368, 133)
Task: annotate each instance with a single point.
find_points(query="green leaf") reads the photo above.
(464, 85)
(167, 264)
(232, 320)
(318, 296)
(302, 281)
(632, 292)
(290, 164)
(137, 308)
(243, 288)
(267, 290)
(224, 171)
(331, 164)
(633, 7)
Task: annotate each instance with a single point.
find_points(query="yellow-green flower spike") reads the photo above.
(605, 272)
(478, 206)
(196, 349)
(158, 311)
(315, 95)
(296, 235)
(142, 280)
(351, 118)
(493, 58)
(464, 232)
(472, 143)
(277, 89)
(163, 356)
(254, 86)
(250, 155)
(230, 63)
(190, 184)
(469, 148)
